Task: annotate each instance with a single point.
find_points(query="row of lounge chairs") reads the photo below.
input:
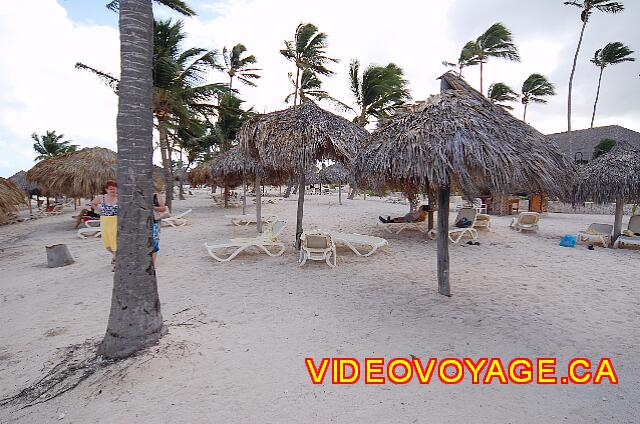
(602, 234)
(92, 227)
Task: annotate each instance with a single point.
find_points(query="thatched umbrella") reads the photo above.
(30, 188)
(612, 177)
(459, 138)
(10, 197)
(293, 139)
(77, 174)
(201, 174)
(339, 174)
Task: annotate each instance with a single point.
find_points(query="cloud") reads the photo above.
(40, 89)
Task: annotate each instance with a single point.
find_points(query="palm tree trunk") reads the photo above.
(300, 212)
(595, 104)
(181, 190)
(295, 95)
(135, 320)
(481, 70)
(524, 116)
(165, 153)
(244, 197)
(573, 71)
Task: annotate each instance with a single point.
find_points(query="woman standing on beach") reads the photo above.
(107, 205)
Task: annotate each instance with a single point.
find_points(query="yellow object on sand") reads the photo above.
(109, 229)
(628, 233)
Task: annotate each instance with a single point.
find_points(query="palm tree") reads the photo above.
(533, 89)
(135, 320)
(586, 9)
(239, 66)
(611, 54)
(51, 144)
(465, 59)
(496, 41)
(311, 90)
(377, 90)
(177, 5)
(177, 90)
(499, 93)
(307, 51)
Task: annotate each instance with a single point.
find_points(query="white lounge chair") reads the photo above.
(482, 221)
(57, 210)
(352, 240)
(177, 220)
(264, 241)
(455, 234)
(91, 229)
(525, 221)
(317, 247)
(634, 226)
(397, 227)
(596, 233)
(246, 220)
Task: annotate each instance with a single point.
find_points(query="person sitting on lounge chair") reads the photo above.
(86, 215)
(418, 215)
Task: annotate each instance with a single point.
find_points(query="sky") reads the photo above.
(41, 90)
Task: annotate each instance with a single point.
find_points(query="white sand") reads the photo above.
(515, 295)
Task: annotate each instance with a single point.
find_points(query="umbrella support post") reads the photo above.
(244, 197)
(443, 241)
(339, 194)
(300, 210)
(258, 205)
(617, 224)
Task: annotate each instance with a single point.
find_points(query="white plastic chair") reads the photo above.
(525, 221)
(634, 226)
(596, 233)
(317, 247)
(455, 234)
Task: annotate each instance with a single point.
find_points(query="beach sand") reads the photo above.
(239, 331)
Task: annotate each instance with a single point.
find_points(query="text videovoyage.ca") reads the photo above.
(458, 370)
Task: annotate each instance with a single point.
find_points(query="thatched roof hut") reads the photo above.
(612, 177)
(459, 138)
(10, 197)
(336, 173)
(293, 139)
(76, 174)
(233, 167)
(201, 174)
(29, 187)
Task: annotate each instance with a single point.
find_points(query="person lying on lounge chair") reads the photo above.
(418, 215)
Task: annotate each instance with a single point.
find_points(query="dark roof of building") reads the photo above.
(584, 141)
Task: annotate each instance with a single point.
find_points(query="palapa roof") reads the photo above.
(336, 173)
(611, 177)
(290, 140)
(201, 174)
(234, 166)
(581, 143)
(10, 197)
(29, 187)
(81, 173)
(459, 138)
(76, 174)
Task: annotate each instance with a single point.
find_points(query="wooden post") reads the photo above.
(340, 194)
(258, 205)
(443, 241)
(299, 230)
(244, 197)
(617, 224)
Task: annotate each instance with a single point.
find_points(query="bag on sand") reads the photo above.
(568, 240)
